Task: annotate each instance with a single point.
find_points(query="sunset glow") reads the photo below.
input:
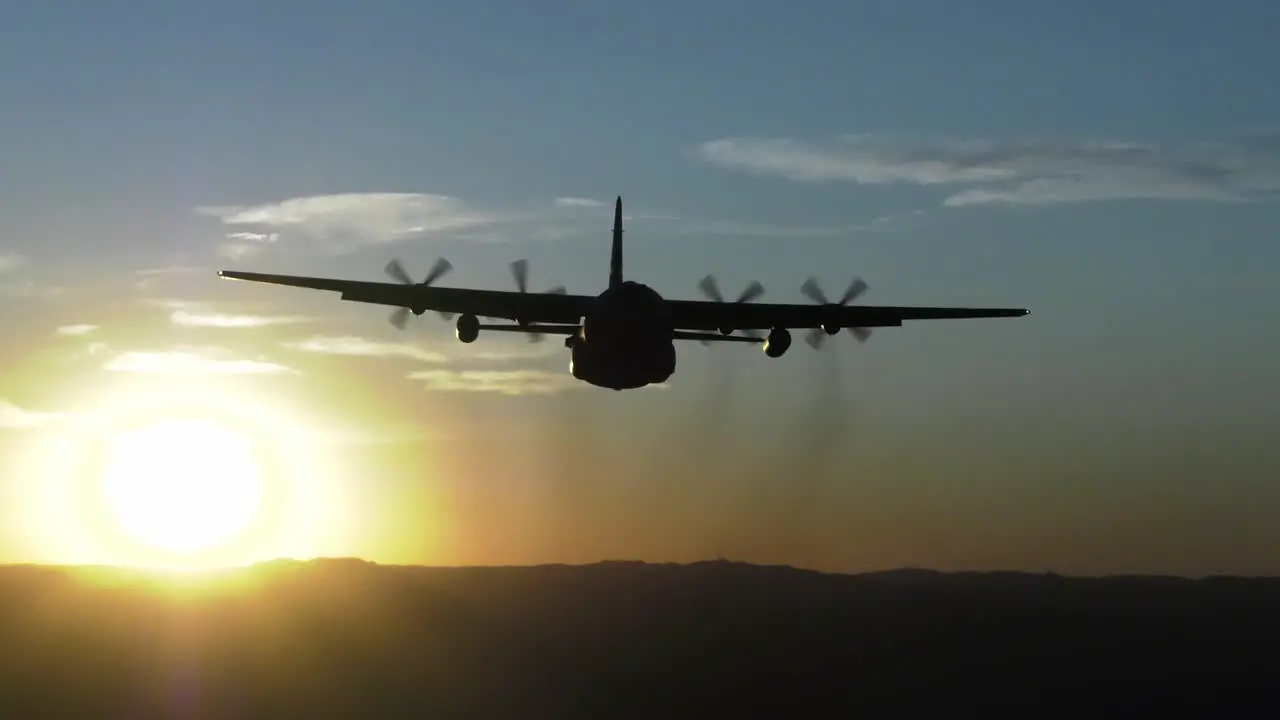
(182, 485)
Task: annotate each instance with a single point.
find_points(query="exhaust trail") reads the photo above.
(576, 480)
(703, 472)
(788, 491)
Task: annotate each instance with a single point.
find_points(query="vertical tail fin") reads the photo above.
(615, 257)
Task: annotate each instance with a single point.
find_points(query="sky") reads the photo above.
(1113, 169)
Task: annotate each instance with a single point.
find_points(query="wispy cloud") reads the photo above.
(352, 346)
(503, 369)
(884, 223)
(253, 237)
(345, 221)
(76, 329)
(192, 361)
(512, 352)
(240, 245)
(578, 202)
(154, 279)
(492, 353)
(187, 318)
(15, 417)
(505, 382)
(14, 285)
(11, 261)
(1017, 172)
(677, 225)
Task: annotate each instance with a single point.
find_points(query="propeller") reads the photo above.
(520, 271)
(396, 270)
(711, 289)
(817, 336)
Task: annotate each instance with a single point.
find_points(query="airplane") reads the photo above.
(624, 337)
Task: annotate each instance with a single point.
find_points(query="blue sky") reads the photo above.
(1113, 168)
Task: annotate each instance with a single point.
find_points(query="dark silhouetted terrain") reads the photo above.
(622, 640)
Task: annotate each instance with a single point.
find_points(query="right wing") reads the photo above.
(710, 315)
(504, 304)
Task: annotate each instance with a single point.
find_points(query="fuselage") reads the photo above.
(626, 338)
(625, 341)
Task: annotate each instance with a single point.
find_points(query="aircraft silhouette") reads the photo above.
(624, 338)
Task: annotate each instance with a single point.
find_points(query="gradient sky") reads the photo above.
(1111, 167)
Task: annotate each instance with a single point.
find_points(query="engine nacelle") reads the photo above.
(777, 343)
(468, 328)
(831, 328)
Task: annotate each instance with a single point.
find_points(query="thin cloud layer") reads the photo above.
(76, 329)
(504, 382)
(26, 288)
(353, 346)
(187, 318)
(1018, 172)
(11, 261)
(175, 278)
(191, 362)
(243, 244)
(348, 219)
(578, 202)
(880, 224)
(502, 379)
(17, 418)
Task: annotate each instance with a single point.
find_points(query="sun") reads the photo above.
(182, 486)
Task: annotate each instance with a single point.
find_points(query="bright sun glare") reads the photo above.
(183, 486)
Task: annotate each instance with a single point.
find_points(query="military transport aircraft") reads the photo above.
(624, 337)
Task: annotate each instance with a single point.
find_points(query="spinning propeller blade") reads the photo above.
(520, 272)
(817, 336)
(400, 316)
(711, 289)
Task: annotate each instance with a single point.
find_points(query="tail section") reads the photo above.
(615, 258)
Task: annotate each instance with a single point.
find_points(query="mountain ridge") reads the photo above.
(620, 639)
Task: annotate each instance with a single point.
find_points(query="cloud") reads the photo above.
(505, 382)
(348, 219)
(491, 353)
(512, 351)
(191, 361)
(240, 245)
(253, 237)
(1017, 172)
(353, 346)
(578, 202)
(479, 370)
(224, 320)
(76, 329)
(238, 251)
(152, 279)
(23, 287)
(11, 261)
(14, 417)
(884, 223)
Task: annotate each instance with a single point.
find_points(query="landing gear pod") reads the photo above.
(777, 343)
(468, 328)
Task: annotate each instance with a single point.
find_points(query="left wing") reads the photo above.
(711, 315)
(519, 306)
